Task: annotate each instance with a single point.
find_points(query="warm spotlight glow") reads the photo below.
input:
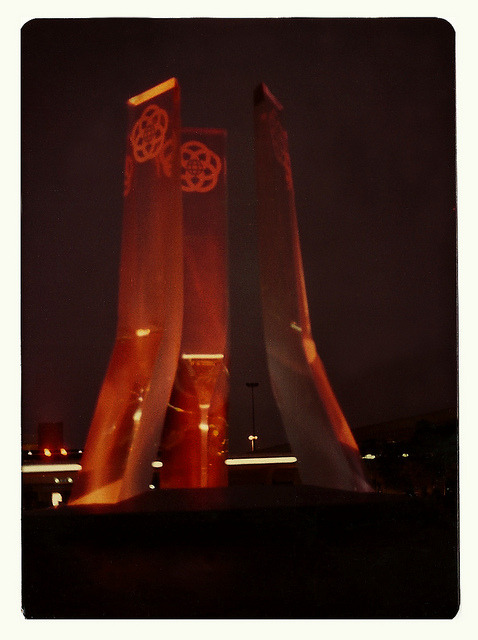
(137, 415)
(369, 456)
(157, 464)
(151, 486)
(29, 453)
(46, 468)
(47, 452)
(204, 426)
(404, 455)
(143, 332)
(295, 326)
(236, 462)
(153, 92)
(63, 452)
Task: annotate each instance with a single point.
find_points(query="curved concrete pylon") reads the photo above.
(318, 433)
(125, 432)
(193, 448)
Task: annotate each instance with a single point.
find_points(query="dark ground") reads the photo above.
(298, 552)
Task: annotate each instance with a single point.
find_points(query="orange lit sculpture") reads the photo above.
(126, 429)
(316, 427)
(193, 446)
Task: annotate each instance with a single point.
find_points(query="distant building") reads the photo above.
(50, 436)
(417, 455)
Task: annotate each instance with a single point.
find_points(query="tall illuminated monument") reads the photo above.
(193, 446)
(318, 433)
(167, 381)
(125, 432)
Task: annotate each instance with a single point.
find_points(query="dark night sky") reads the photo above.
(369, 107)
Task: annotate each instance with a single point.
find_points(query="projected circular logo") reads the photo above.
(200, 167)
(147, 136)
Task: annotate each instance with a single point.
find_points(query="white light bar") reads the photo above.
(202, 356)
(45, 468)
(157, 464)
(236, 462)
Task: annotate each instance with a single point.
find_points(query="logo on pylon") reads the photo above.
(200, 167)
(149, 132)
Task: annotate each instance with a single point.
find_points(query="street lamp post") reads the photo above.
(253, 436)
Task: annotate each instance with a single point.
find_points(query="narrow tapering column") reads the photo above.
(194, 438)
(126, 428)
(315, 425)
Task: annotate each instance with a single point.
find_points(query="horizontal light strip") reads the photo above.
(236, 462)
(202, 356)
(157, 464)
(45, 468)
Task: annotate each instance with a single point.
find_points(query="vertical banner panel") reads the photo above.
(194, 439)
(126, 426)
(316, 427)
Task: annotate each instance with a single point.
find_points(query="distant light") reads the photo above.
(252, 437)
(57, 480)
(30, 453)
(369, 456)
(204, 406)
(236, 462)
(45, 468)
(157, 464)
(404, 455)
(202, 356)
(70, 480)
(143, 332)
(137, 415)
(151, 486)
(47, 452)
(80, 450)
(63, 452)
(295, 326)
(203, 426)
(56, 498)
